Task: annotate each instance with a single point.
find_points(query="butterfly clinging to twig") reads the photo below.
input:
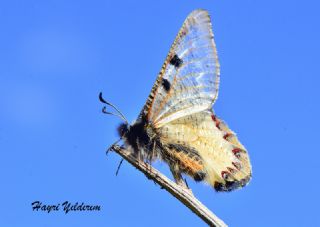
(177, 124)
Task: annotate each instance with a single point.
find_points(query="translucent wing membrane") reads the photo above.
(189, 80)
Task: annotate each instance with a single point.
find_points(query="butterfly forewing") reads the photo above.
(189, 79)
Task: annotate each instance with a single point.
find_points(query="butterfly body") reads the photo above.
(140, 136)
(147, 144)
(177, 124)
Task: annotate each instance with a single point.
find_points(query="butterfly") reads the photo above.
(177, 123)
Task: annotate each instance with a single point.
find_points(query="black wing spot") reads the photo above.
(166, 84)
(176, 61)
(199, 176)
(231, 185)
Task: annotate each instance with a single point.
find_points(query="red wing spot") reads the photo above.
(236, 152)
(237, 165)
(215, 119)
(218, 124)
(183, 33)
(227, 135)
(225, 175)
(231, 170)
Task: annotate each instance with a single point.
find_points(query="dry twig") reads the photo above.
(182, 194)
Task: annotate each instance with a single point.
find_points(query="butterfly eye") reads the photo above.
(123, 129)
(225, 175)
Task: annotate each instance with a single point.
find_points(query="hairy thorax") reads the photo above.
(142, 138)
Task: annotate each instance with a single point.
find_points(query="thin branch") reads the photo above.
(182, 194)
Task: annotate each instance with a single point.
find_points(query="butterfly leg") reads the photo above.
(177, 175)
(111, 147)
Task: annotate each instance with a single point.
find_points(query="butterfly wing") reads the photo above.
(180, 109)
(189, 79)
(224, 162)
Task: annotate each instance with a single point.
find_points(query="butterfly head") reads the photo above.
(123, 129)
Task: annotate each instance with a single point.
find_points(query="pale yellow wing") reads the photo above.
(225, 161)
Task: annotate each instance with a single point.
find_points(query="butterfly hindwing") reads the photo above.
(224, 160)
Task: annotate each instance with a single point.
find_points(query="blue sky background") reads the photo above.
(56, 56)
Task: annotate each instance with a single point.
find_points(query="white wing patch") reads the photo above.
(190, 72)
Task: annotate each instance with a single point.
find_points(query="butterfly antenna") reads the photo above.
(113, 106)
(104, 110)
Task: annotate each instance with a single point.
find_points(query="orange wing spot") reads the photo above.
(191, 165)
